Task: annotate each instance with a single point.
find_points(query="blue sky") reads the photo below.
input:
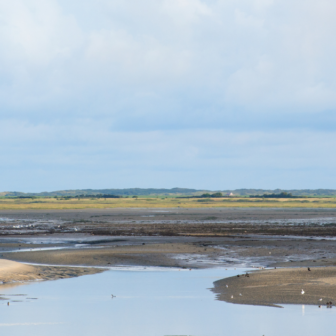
(167, 93)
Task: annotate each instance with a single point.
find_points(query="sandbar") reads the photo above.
(16, 272)
(276, 287)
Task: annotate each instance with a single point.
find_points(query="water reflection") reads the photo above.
(147, 304)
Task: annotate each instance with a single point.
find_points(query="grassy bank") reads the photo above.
(53, 203)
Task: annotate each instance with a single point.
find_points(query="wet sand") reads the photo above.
(280, 286)
(189, 252)
(128, 255)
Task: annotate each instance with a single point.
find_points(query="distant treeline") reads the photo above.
(95, 196)
(294, 192)
(77, 196)
(281, 195)
(206, 195)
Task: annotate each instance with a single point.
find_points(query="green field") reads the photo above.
(146, 202)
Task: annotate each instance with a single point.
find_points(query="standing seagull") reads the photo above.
(302, 291)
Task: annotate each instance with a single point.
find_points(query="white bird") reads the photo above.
(226, 286)
(320, 299)
(231, 296)
(302, 291)
(240, 294)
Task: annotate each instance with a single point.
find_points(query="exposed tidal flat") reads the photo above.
(198, 222)
(197, 249)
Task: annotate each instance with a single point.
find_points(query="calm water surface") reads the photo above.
(150, 303)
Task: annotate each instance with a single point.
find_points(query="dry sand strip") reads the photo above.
(15, 272)
(280, 286)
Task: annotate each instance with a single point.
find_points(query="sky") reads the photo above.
(205, 94)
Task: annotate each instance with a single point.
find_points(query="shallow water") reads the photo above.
(149, 303)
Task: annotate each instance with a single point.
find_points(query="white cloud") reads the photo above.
(118, 53)
(167, 85)
(279, 52)
(186, 12)
(247, 20)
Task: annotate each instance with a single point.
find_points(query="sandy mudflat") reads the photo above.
(190, 252)
(11, 271)
(280, 286)
(136, 255)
